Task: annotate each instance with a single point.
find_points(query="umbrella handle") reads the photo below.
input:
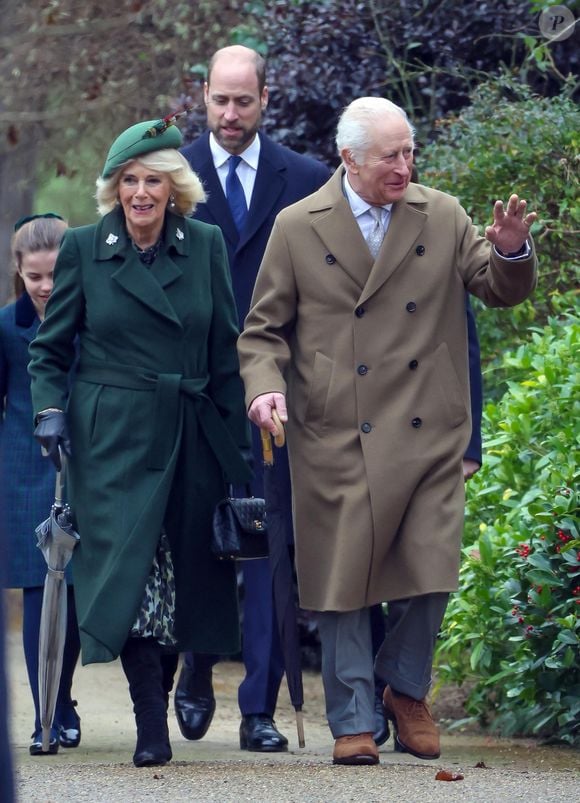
(60, 480)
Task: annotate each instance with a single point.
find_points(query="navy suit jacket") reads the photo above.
(283, 177)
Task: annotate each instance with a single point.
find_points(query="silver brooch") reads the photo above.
(179, 234)
(111, 239)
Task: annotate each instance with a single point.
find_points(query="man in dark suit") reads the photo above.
(248, 179)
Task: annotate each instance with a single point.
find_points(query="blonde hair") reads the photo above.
(186, 186)
(39, 234)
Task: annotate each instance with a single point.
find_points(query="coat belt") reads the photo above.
(169, 390)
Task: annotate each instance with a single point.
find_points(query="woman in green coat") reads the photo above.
(154, 422)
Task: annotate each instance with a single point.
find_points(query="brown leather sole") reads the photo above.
(357, 749)
(356, 761)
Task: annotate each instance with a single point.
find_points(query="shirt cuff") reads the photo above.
(523, 253)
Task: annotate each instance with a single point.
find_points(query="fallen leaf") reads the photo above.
(448, 775)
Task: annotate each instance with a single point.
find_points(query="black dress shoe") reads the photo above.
(258, 733)
(70, 724)
(382, 732)
(194, 703)
(35, 748)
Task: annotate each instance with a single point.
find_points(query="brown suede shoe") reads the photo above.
(415, 731)
(359, 748)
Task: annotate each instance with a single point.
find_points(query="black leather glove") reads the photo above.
(51, 431)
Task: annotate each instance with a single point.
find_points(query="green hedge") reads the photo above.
(513, 631)
(512, 140)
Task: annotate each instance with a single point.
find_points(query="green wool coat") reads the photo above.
(156, 419)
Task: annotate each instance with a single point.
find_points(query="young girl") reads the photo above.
(27, 479)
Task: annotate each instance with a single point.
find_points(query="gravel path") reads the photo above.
(214, 769)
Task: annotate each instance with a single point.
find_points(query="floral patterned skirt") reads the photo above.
(156, 617)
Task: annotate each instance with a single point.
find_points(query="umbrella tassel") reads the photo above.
(300, 727)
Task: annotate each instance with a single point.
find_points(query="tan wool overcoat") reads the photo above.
(373, 360)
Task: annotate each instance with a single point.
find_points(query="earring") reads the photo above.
(172, 201)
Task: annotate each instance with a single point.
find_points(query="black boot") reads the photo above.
(141, 660)
(194, 700)
(169, 663)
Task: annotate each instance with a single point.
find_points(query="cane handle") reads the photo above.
(280, 438)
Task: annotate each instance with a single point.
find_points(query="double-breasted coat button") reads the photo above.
(420, 250)
(359, 312)
(416, 422)
(413, 364)
(411, 306)
(366, 427)
(330, 259)
(362, 370)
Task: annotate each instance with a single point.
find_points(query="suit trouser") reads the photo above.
(404, 660)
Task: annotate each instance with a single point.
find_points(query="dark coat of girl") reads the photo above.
(26, 478)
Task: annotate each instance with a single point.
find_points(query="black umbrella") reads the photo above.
(57, 540)
(277, 493)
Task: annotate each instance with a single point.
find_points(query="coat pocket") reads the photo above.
(450, 387)
(315, 414)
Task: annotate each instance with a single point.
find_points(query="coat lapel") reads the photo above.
(336, 226)
(270, 183)
(147, 285)
(25, 317)
(408, 219)
(216, 204)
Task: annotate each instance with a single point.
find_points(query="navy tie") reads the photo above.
(235, 194)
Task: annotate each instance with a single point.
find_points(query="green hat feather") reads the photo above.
(142, 138)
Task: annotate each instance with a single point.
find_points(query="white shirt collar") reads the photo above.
(357, 204)
(220, 156)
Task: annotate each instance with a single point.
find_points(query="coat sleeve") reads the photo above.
(3, 374)
(52, 352)
(264, 344)
(498, 282)
(226, 388)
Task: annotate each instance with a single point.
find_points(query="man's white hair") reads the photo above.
(354, 129)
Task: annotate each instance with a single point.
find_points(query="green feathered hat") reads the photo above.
(141, 138)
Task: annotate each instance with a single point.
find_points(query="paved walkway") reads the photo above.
(214, 769)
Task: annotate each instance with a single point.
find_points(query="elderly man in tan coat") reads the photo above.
(357, 336)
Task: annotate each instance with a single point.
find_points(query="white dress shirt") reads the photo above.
(361, 210)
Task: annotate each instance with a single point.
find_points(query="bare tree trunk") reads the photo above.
(16, 199)
(17, 165)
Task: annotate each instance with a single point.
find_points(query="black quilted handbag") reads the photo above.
(239, 529)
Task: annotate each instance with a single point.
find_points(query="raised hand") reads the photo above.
(511, 226)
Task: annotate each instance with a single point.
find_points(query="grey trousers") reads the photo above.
(404, 660)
